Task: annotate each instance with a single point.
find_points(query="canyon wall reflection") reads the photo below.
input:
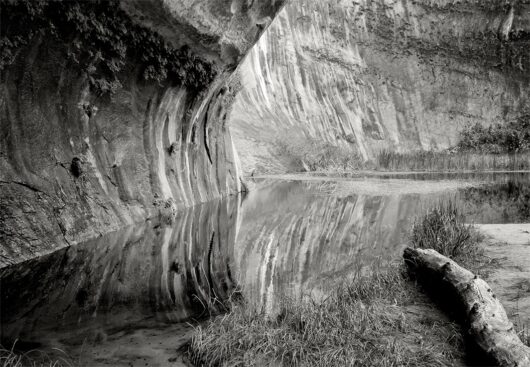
(148, 273)
(284, 238)
(298, 237)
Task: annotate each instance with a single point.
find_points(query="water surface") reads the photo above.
(123, 298)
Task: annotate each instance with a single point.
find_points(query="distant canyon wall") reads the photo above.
(383, 74)
(75, 164)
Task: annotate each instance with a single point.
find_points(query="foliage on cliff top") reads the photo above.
(100, 39)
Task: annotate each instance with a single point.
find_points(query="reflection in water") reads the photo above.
(141, 274)
(286, 237)
(300, 236)
(507, 202)
(485, 176)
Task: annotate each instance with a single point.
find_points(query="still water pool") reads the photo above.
(124, 298)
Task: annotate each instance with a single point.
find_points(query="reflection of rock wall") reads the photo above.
(373, 74)
(125, 277)
(285, 237)
(297, 237)
(148, 148)
(506, 202)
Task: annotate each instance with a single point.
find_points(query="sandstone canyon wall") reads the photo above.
(373, 74)
(75, 164)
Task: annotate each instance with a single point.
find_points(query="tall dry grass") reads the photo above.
(450, 161)
(10, 357)
(310, 154)
(501, 146)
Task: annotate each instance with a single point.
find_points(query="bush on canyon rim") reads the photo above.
(100, 39)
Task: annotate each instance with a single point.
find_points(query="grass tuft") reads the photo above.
(32, 358)
(374, 320)
(451, 161)
(310, 154)
(444, 229)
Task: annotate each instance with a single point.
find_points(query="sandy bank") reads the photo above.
(509, 246)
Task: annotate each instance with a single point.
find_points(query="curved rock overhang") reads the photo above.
(76, 160)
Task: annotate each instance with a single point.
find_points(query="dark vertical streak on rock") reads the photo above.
(206, 135)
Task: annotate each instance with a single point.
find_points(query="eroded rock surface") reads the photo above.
(379, 74)
(74, 164)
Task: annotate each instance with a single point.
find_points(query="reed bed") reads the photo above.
(313, 156)
(451, 161)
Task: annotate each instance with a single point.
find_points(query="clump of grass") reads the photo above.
(309, 154)
(444, 229)
(366, 322)
(32, 358)
(450, 160)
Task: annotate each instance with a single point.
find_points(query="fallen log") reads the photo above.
(488, 323)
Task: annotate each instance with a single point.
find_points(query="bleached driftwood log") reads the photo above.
(488, 323)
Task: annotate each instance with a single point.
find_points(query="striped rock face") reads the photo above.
(146, 150)
(403, 75)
